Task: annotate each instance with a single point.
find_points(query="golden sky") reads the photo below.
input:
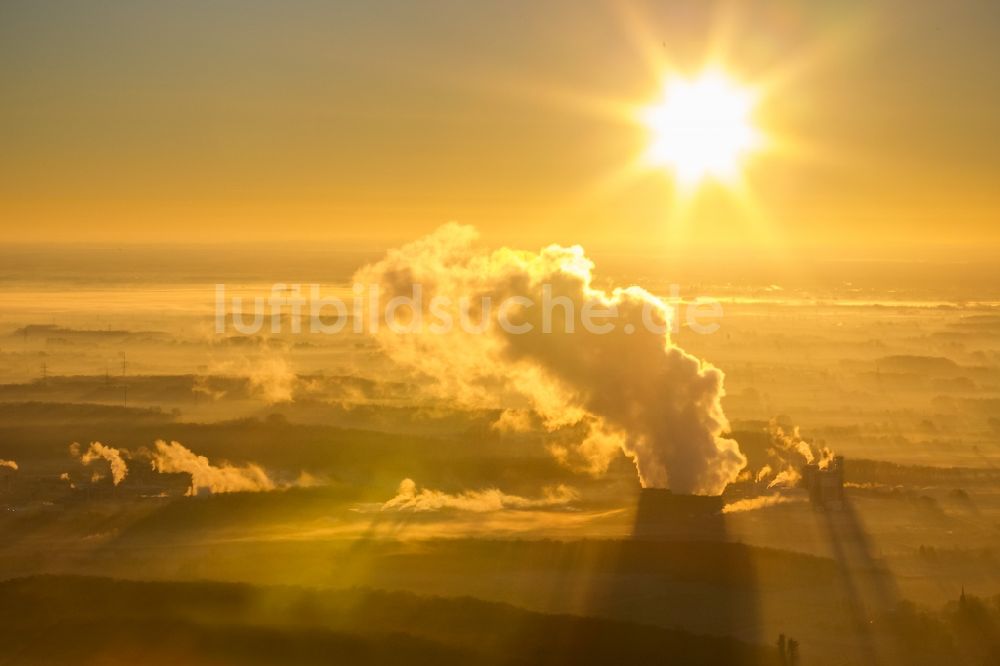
(379, 120)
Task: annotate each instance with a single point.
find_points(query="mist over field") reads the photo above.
(149, 447)
(500, 332)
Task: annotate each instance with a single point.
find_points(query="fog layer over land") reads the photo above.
(351, 459)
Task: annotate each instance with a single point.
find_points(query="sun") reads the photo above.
(702, 128)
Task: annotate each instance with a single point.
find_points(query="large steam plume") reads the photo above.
(176, 458)
(410, 498)
(630, 389)
(98, 451)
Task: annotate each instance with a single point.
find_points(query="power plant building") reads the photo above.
(825, 485)
(662, 514)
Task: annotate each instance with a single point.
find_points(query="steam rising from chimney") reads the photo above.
(98, 451)
(787, 454)
(630, 389)
(176, 458)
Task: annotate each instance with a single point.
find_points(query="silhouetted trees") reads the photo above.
(72, 619)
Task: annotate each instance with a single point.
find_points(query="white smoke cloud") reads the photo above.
(629, 389)
(9, 464)
(758, 503)
(410, 498)
(98, 451)
(592, 453)
(176, 458)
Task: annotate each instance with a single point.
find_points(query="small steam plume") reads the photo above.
(176, 458)
(630, 389)
(792, 442)
(759, 503)
(9, 464)
(786, 478)
(788, 453)
(98, 451)
(410, 498)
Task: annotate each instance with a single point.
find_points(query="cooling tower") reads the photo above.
(665, 515)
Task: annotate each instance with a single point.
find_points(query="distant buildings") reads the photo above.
(19, 490)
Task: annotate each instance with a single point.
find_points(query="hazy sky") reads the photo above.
(379, 120)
